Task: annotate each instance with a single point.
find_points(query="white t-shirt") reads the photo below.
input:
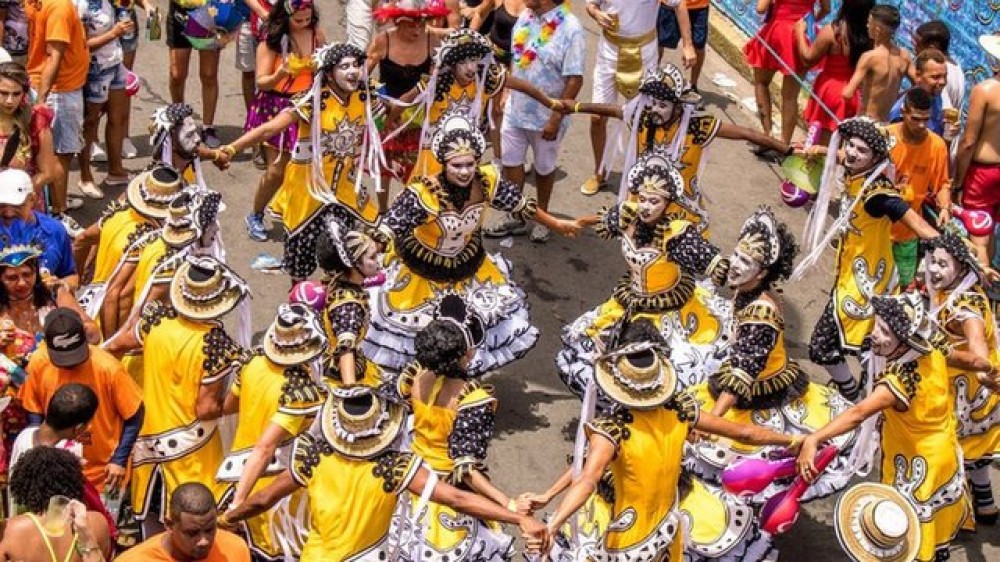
(954, 92)
(635, 17)
(98, 17)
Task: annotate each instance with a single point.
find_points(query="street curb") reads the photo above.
(728, 41)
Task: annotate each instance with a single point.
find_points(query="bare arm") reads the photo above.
(209, 403)
(824, 9)
(750, 434)
(376, 51)
(763, 6)
(599, 455)
(266, 79)
(812, 54)
(737, 132)
(973, 128)
(605, 109)
(282, 121)
(480, 484)
(859, 76)
(970, 362)
(479, 14)
(263, 452)
(45, 160)
(528, 88)
(65, 299)
(722, 405)
(263, 500)
(465, 502)
(918, 225)
(54, 51)
(112, 34)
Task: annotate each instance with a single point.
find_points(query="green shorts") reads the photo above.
(905, 254)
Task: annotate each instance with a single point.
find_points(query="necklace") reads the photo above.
(526, 44)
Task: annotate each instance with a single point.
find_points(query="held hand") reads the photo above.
(224, 522)
(551, 129)
(536, 535)
(944, 217)
(78, 518)
(123, 28)
(603, 19)
(532, 501)
(988, 381)
(689, 56)
(114, 477)
(222, 159)
(807, 454)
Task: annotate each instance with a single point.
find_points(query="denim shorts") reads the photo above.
(669, 31)
(103, 80)
(67, 126)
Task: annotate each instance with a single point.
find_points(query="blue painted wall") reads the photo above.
(968, 19)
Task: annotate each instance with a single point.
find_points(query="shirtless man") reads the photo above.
(881, 70)
(977, 162)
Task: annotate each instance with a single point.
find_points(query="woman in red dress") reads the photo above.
(778, 33)
(837, 48)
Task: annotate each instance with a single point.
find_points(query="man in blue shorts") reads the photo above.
(669, 33)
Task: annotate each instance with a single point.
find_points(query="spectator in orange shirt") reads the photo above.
(921, 160)
(192, 532)
(67, 358)
(58, 60)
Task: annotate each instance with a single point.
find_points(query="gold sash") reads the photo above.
(628, 70)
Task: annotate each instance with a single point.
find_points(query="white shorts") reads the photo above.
(514, 143)
(605, 90)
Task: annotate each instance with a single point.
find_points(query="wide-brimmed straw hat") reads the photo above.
(295, 337)
(991, 44)
(151, 192)
(876, 523)
(189, 214)
(205, 289)
(359, 423)
(637, 376)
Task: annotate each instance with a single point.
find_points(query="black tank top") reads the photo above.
(503, 28)
(401, 78)
(487, 23)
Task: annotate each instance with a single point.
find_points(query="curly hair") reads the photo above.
(782, 268)
(441, 347)
(44, 472)
(327, 256)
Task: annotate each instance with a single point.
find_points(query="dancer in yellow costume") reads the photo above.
(920, 454)
(758, 383)
(176, 140)
(337, 141)
(276, 397)
(870, 203)
(121, 226)
(642, 442)
(453, 421)
(651, 121)
(187, 358)
(354, 478)
(435, 228)
(954, 281)
(464, 81)
(665, 254)
(347, 260)
(190, 228)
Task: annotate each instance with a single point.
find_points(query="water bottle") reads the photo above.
(125, 15)
(153, 25)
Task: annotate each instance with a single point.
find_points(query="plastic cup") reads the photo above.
(56, 516)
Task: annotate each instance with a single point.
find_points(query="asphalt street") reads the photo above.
(563, 278)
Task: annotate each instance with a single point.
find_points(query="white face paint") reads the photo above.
(465, 71)
(347, 74)
(188, 135)
(745, 272)
(942, 269)
(651, 207)
(661, 112)
(369, 265)
(460, 170)
(858, 156)
(884, 340)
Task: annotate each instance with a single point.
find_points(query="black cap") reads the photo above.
(65, 338)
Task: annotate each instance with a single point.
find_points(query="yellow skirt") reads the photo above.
(696, 316)
(292, 203)
(197, 466)
(978, 412)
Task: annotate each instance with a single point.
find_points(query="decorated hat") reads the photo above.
(151, 192)
(329, 56)
(666, 83)
(295, 337)
(189, 214)
(875, 135)
(461, 44)
(653, 172)
(205, 289)
(991, 44)
(907, 317)
(759, 237)
(359, 423)
(958, 247)
(350, 245)
(411, 9)
(637, 375)
(16, 255)
(457, 136)
(876, 523)
(453, 309)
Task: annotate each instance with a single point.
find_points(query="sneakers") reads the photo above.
(73, 228)
(97, 153)
(540, 234)
(90, 190)
(511, 226)
(255, 227)
(129, 150)
(259, 160)
(211, 139)
(592, 185)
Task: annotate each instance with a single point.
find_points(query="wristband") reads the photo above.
(85, 550)
(796, 440)
(576, 107)
(229, 149)
(553, 104)
(512, 505)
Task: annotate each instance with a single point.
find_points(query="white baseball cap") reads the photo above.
(15, 185)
